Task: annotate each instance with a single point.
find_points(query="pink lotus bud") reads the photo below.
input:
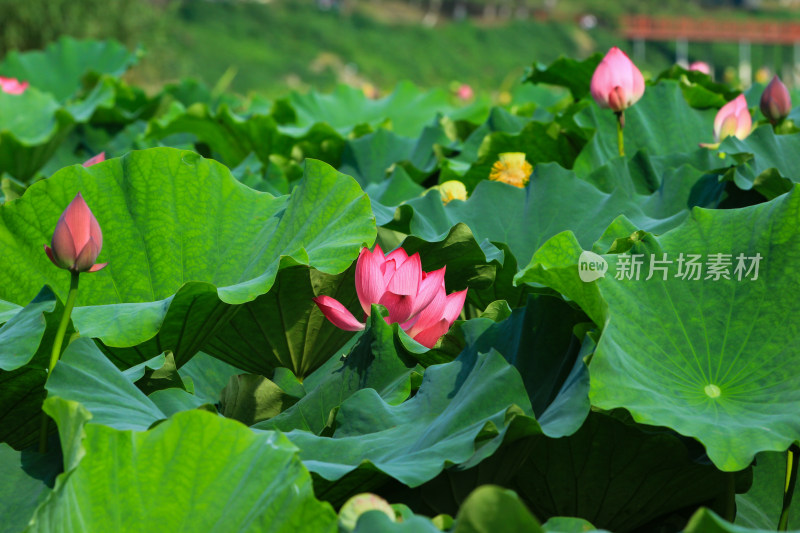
(701, 66)
(465, 92)
(775, 101)
(616, 83)
(415, 299)
(77, 239)
(12, 85)
(99, 158)
(733, 119)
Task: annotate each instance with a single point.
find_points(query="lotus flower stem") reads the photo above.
(620, 136)
(788, 489)
(57, 343)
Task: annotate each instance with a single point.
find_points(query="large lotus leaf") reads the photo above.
(697, 364)
(185, 242)
(565, 72)
(698, 88)
(284, 328)
(617, 475)
(32, 125)
(60, 68)
(407, 110)
(368, 158)
(20, 492)
(378, 522)
(662, 122)
(707, 521)
(22, 335)
(461, 412)
(538, 341)
(208, 376)
(760, 507)
(378, 361)
(493, 508)
(764, 161)
(86, 376)
(26, 341)
(238, 481)
(532, 215)
(230, 136)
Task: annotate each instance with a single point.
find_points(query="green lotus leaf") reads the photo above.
(538, 341)
(540, 142)
(20, 492)
(86, 376)
(407, 110)
(61, 67)
(284, 328)
(532, 215)
(378, 361)
(185, 242)
(461, 412)
(707, 521)
(208, 376)
(26, 341)
(493, 508)
(240, 480)
(760, 507)
(618, 475)
(369, 158)
(565, 72)
(662, 122)
(763, 161)
(683, 353)
(698, 88)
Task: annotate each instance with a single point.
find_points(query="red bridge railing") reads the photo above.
(642, 27)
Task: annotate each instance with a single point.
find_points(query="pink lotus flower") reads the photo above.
(12, 85)
(77, 239)
(99, 158)
(465, 92)
(415, 299)
(616, 83)
(733, 119)
(701, 66)
(775, 101)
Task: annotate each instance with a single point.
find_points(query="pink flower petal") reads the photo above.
(369, 279)
(99, 158)
(49, 252)
(338, 314)
(432, 283)
(99, 266)
(87, 256)
(407, 278)
(63, 244)
(454, 305)
(399, 256)
(398, 305)
(429, 336)
(430, 315)
(77, 217)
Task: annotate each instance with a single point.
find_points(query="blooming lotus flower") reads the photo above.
(12, 85)
(701, 66)
(415, 299)
(511, 168)
(452, 190)
(99, 158)
(77, 239)
(775, 101)
(616, 83)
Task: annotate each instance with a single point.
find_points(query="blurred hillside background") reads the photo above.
(270, 46)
